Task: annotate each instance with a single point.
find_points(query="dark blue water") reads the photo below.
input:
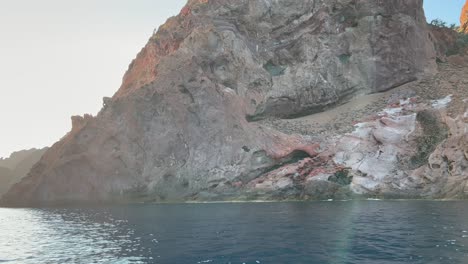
(358, 232)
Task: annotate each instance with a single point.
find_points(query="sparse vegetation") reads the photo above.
(438, 23)
(344, 58)
(462, 43)
(434, 132)
(341, 177)
(274, 70)
(462, 39)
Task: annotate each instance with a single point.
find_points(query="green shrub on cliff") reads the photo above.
(434, 132)
(461, 44)
(341, 177)
(462, 38)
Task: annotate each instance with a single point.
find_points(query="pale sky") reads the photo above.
(58, 58)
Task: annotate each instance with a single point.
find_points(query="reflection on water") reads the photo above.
(362, 232)
(66, 236)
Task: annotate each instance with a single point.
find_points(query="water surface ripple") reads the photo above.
(354, 232)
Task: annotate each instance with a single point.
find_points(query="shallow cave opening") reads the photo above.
(295, 156)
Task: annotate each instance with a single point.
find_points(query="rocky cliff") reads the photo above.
(464, 19)
(227, 101)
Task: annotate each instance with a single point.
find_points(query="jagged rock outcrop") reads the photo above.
(409, 151)
(446, 175)
(464, 19)
(182, 126)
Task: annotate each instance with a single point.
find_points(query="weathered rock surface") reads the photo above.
(299, 56)
(389, 154)
(445, 42)
(464, 18)
(182, 126)
(446, 175)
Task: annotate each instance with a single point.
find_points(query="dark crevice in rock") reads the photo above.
(294, 157)
(403, 82)
(434, 132)
(289, 108)
(341, 177)
(185, 91)
(266, 164)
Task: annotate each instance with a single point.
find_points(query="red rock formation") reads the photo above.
(182, 125)
(464, 18)
(78, 122)
(143, 70)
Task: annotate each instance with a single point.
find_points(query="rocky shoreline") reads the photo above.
(272, 100)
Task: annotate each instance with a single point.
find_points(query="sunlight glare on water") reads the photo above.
(64, 236)
(353, 232)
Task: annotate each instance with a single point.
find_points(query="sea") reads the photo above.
(354, 232)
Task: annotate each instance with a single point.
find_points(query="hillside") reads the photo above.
(5, 178)
(271, 100)
(15, 167)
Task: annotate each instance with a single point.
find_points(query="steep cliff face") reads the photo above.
(182, 126)
(445, 42)
(304, 54)
(464, 18)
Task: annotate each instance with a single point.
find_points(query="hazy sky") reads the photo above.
(58, 58)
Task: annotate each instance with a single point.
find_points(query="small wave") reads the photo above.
(205, 261)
